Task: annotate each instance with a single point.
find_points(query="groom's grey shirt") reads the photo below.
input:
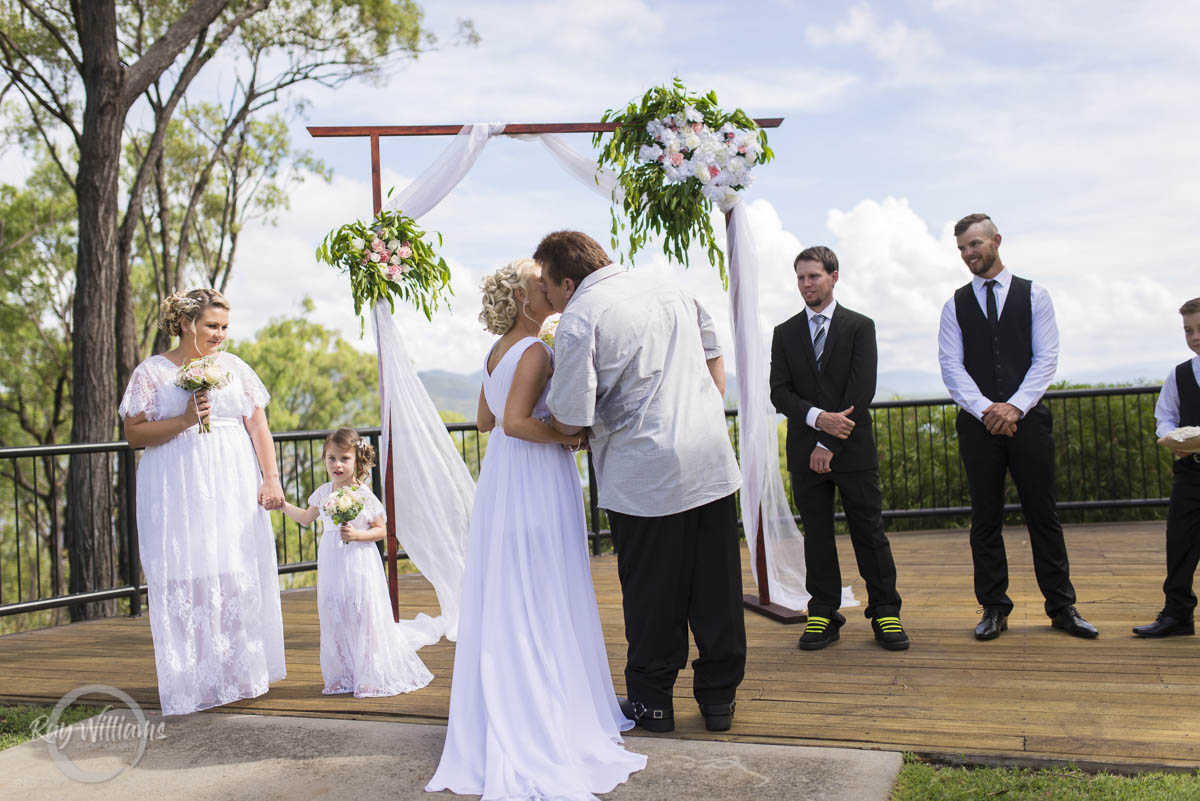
(630, 358)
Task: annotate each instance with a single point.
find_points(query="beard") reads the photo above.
(985, 264)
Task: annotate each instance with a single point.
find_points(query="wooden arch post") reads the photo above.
(761, 603)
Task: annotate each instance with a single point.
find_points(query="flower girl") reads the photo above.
(363, 650)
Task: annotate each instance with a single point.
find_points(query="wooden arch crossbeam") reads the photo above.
(761, 602)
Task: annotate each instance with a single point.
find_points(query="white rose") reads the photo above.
(214, 375)
(344, 503)
(357, 243)
(649, 153)
(395, 259)
(374, 257)
(700, 170)
(691, 141)
(690, 113)
(737, 164)
(393, 244)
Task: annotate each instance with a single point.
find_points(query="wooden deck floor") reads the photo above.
(1034, 694)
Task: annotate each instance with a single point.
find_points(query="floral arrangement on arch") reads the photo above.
(676, 154)
(388, 257)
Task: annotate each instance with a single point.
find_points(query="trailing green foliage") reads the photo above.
(388, 257)
(652, 204)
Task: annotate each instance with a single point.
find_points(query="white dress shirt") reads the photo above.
(630, 355)
(827, 312)
(963, 388)
(1166, 411)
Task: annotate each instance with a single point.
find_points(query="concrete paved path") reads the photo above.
(232, 756)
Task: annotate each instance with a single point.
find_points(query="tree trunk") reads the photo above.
(89, 523)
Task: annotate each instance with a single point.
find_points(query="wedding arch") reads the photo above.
(428, 490)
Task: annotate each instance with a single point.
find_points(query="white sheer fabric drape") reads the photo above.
(762, 483)
(433, 489)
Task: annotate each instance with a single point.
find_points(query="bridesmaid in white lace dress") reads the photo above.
(205, 538)
(533, 714)
(363, 649)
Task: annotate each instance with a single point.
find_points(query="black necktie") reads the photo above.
(993, 317)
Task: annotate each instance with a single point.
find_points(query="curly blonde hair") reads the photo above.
(500, 307)
(182, 306)
(364, 454)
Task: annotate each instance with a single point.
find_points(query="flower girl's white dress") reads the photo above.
(207, 548)
(533, 714)
(363, 650)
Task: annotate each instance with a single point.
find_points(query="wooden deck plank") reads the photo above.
(1032, 694)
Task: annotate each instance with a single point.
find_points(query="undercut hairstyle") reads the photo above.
(962, 225)
(364, 455)
(569, 254)
(187, 306)
(1191, 307)
(500, 308)
(818, 253)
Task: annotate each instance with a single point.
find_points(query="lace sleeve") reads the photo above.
(254, 391)
(317, 496)
(141, 396)
(372, 508)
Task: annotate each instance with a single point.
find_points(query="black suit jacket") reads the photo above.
(848, 379)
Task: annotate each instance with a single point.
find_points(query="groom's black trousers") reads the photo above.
(678, 571)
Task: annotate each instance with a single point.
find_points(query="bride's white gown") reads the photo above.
(533, 714)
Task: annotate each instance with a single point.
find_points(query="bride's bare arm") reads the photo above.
(485, 421)
(532, 373)
(270, 494)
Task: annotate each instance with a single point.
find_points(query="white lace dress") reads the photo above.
(363, 649)
(207, 547)
(533, 714)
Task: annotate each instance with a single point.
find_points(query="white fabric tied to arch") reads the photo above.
(762, 483)
(433, 490)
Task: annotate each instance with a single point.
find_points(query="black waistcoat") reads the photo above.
(1189, 395)
(997, 357)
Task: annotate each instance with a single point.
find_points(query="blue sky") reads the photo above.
(1072, 123)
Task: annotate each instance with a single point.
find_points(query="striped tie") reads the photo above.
(819, 338)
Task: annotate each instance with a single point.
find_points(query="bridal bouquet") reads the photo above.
(388, 257)
(342, 505)
(676, 154)
(202, 373)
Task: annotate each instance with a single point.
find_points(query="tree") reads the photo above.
(80, 68)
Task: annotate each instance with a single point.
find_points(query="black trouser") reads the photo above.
(862, 502)
(1183, 539)
(680, 570)
(1029, 456)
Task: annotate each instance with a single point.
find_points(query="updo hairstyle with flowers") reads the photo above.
(182, 306)
(500, 306)
(364, 454)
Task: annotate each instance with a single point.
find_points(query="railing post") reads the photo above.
(129, 469)
(593, 505)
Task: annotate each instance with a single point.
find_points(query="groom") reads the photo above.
(637, 363)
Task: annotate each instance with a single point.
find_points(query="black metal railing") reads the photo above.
(1107, 463)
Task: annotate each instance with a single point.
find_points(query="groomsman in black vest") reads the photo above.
(823, 369)
(998, 350)
(1178, 406)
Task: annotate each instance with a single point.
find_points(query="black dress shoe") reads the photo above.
(1069, 621)
(1164, 626)
(649, 718)
(819, 632)
(993, 622)
(717, 717)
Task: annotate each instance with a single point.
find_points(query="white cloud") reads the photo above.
(894, 43)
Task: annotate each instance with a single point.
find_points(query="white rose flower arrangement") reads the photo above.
(202, 373)
(677, 154)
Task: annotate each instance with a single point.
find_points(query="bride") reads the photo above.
(532, 710)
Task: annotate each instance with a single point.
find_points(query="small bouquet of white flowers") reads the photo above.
(342, 505)
(202, 373)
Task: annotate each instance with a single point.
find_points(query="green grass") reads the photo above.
(17, 723)
(921, 782)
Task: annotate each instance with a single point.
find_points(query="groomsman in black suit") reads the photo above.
(823, 369)
(998, 351)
